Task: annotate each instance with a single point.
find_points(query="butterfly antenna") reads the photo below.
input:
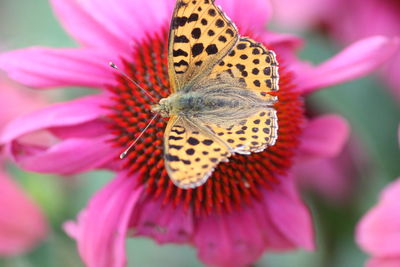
(112, 65)
(123, 154)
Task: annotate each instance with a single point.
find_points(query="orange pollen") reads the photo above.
(234, 183)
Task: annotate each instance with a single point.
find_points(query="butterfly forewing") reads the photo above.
(253, 65)
(200, 36)
(190, 154)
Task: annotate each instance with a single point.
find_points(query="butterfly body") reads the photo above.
(213, 101)
(220, 102)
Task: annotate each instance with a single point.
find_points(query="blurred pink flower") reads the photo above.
(248, 206)
(347, 21)
(337, 167)
(22, 224)
(367, 18)
(300, 14)
(378, 232)
(334, 184)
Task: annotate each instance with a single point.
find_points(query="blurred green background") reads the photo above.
(365, 103)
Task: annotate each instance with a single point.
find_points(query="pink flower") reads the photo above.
(386, 21)
(339, 165)
(378, 232)
(22, 224)
(347, 21)
(248, 205)
(333, 163)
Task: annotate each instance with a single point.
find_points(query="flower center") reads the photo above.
(233, 183)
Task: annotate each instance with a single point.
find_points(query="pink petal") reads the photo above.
(286, 47)
(353, 62)
(290, 215)
(66, 114)
(229, 239)
(300, 14)
(46, 67)
(62, 158)
(163, 223)
(378, 232)
(384, 262)
(90, 129)
(112, 24)
(22, 224)
(19, 101)
(103, 226)
(279, 222)
(324, 136)
(390, 73)
(332, 178)
(251, 15)
(281, 41)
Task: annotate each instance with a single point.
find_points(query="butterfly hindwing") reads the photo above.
(200, 36)
(190, 155)
(252, 134)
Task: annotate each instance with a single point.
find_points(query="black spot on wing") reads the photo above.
(181, 63)
(181, 39)
(193, 141)
(179, 22)
(212, 12)
(211, 49)
(190, 151)
(179, 52)
(197, 49)
(176, 138)
(230, 32)
(171, 158)
(267, 71)
(193, 17)
(186, 162)
(208, 142)
(175, 147)
(220, 23)
(241, 46)
(222, 39)
(240, 67)
(196, 33)
(268, 83)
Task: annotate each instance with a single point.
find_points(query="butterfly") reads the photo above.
(220, 103)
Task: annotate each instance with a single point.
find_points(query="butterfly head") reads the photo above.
(163, 107)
